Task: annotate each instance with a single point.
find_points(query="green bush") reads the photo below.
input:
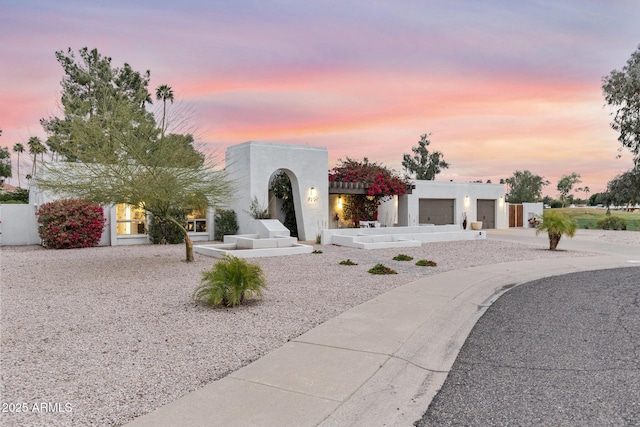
(226, 223)
(19, 196)
(70, 223)
(163, 231)
(348, 262)
(426, 263)
(229, 282)
(612, 223)
(317, 251)
(402, 257)
(381, 269)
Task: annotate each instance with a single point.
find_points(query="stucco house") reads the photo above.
(251, 166)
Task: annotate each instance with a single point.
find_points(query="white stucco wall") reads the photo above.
(529, 210)
(408, 205)
(18, 225)
(250, 166)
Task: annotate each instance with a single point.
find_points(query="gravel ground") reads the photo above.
(103, 335)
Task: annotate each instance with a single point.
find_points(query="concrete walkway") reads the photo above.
(380, 363)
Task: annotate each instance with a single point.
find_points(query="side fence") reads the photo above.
(18, 225)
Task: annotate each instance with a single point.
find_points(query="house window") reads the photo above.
(130, 220)
(197, 221)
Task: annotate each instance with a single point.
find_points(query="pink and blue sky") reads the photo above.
(501, 85)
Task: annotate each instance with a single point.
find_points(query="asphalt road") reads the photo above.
(561, 351)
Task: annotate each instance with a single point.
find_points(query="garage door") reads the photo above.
(435, 211)
(487, 213)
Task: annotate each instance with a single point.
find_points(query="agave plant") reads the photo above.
(229, 282)
(556, 224)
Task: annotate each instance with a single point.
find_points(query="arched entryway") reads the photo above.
(250, 166)
(282, 204)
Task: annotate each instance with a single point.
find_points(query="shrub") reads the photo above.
(556, 224)
(612, 223)
(226, 223)
(348, 262)
(402, 257)
(70, 223)
(258, 210)
(426, 263)
(381, 269)
(229, 282)
(163, 231)
(317, 251)
(19, 196)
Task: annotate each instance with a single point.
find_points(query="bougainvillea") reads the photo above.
(378, 180)
(379, 183)
(70, 223)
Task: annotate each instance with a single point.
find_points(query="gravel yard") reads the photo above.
(104, 335)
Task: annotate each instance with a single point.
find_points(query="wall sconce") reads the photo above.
(340, 203)
(467, 201)
(501, 201)
(313, 195)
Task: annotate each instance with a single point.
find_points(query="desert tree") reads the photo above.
(423, 164)
(115, 151)
(525, 186)
(622, 92)
(139, 169)
(624, 189)
(565, 185)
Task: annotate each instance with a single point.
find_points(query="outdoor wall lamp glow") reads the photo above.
(501, 201)
(313, 195)
(467, 201)
(340, 202)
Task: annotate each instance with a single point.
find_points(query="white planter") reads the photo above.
(476, 225)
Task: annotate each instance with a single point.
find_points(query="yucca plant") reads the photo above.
(229, 282)
(556, 224)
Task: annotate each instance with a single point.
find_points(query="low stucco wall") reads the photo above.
(18, 225)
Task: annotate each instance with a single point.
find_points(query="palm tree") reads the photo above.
(230, 282)
(18, 148)
(164, 93)
(556, 224)
(35, 147)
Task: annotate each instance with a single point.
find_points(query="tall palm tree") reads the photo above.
(35, 147)
(164, 93)
(18, 148)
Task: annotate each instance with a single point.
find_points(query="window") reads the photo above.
(130, 220)
(197, 221)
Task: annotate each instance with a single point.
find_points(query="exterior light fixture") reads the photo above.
(313, 195)
(340, 202)
(467, 201)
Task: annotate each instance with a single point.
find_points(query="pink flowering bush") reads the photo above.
(377, 179)
(70, 223)
(379, 182)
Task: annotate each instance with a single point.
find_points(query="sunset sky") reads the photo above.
(502, 85)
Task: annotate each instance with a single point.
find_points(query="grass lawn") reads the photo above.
(588, 217)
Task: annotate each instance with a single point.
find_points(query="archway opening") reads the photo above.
(282, 203)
